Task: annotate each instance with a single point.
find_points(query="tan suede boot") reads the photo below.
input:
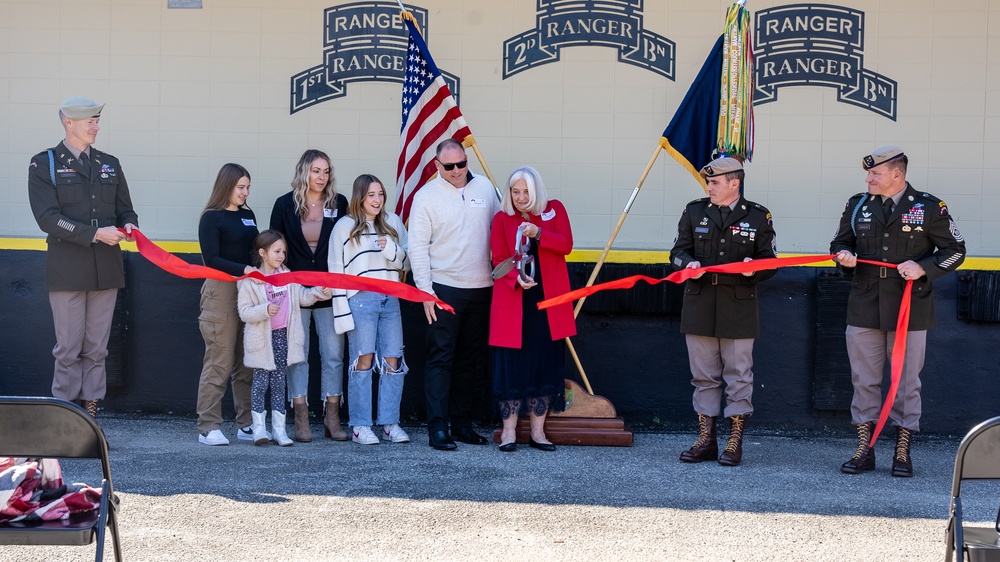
(302, 433)
(331, 423)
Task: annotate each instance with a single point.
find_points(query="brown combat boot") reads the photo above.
(864, 457)
(331, 423)
(705, 448)
(302, 434)
(90, 406)
(733, 453)
(902, 464)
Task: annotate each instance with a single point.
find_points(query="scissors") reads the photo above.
(524, 263)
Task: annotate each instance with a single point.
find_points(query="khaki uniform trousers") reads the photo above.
(222, 330)
(82, 322)
(714, 360)
(868, 350)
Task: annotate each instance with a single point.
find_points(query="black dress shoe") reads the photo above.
(508, 447)
(467, 435)
(440, 441)
(541, 446)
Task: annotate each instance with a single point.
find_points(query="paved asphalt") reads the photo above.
(341, 501)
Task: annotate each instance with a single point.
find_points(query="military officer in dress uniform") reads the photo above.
(719, 318)
(892, 223)
(80, 198)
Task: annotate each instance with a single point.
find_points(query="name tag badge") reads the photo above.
(249, 222)
(277, 290)
(329, 213)
(864, 226)
(549, 215)
(478, 203)
(701, 229)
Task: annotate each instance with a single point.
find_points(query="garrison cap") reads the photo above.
(721, 166)
(881, 155)
(81, 108)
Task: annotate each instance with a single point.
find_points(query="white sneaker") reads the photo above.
(246, 433)
(392, 432)
(363, 435)
(214, 437)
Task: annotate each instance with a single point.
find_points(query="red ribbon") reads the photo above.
(902, 322)
(173, 264)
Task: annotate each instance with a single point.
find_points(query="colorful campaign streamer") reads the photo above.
(173, 264)
(902, 322)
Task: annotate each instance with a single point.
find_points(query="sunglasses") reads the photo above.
(449, 167)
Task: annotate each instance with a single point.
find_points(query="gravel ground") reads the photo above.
(341, 501)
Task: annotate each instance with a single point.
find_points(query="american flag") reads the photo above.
(430, 115)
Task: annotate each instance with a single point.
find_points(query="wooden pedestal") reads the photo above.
(587, 420)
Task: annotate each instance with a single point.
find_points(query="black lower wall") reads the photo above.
(636, 359)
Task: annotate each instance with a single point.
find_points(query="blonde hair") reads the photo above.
(300, 183)
(538, 199)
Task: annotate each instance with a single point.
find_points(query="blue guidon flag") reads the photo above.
(715, 118)
(430, 115)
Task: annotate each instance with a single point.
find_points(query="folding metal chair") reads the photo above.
(55, 428)
(978, 458)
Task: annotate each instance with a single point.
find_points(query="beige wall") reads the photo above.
(188, 90)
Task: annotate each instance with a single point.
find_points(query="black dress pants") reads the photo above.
(457, 356)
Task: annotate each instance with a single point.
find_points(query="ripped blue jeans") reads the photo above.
(378, 329)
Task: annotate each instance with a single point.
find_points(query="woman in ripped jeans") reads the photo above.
(372, 244)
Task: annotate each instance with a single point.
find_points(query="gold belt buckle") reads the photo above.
(882, 272)
(715, 278)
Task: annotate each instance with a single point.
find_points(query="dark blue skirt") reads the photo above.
(537, 370)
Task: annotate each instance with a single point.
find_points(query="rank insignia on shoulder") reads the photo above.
(33, 165)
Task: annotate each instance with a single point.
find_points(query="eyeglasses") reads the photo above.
(449, 167)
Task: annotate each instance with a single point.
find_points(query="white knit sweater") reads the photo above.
(450, 234)
(365, 259)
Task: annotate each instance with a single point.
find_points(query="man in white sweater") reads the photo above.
(450, 258)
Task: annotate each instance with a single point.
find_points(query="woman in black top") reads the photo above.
(226, 233)
(306, 216)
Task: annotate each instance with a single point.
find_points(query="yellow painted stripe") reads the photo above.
(172, 246)
(577, 256)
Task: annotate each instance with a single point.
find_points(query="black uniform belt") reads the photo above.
(724, 278)
(882, 272)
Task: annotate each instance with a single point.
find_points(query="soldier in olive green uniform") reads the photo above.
(892, 223)
(80, 198)
(719, 317)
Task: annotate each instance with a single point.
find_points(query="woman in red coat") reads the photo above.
(529, 347)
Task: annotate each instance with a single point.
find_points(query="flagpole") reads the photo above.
(486, 169)
(614, 233)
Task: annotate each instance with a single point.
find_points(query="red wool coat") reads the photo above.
(556, 243)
